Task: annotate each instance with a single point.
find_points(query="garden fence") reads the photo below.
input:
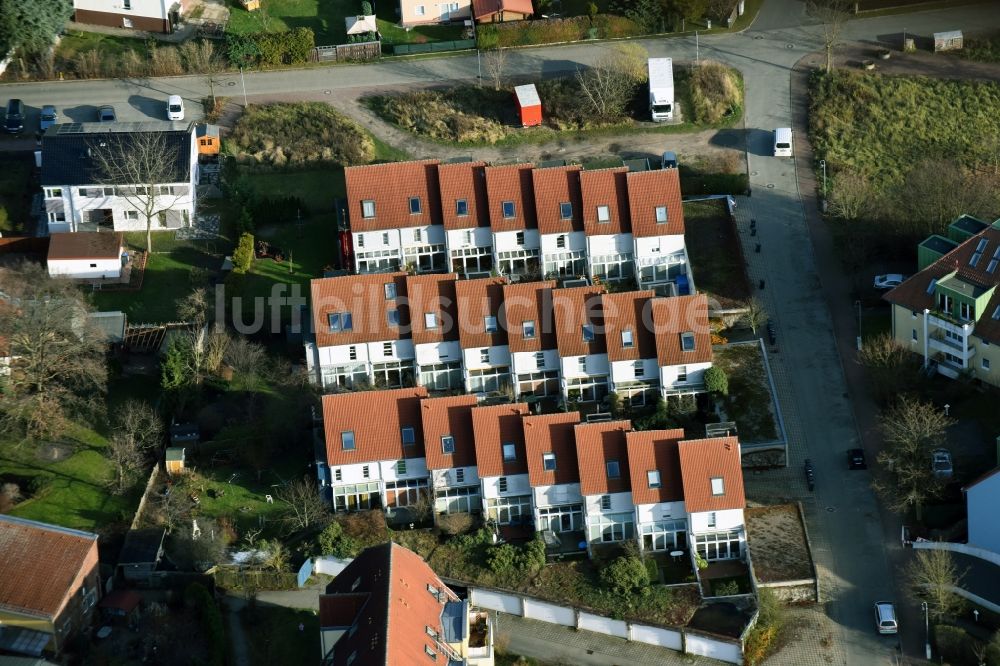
(433, 47)
(347, 52)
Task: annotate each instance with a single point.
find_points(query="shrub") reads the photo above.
(626, 576)
(5, 222)
(333, 541)
(763, 638)
(726, 588)
(198, 57)
(714, 92)
(455, 523)
(131, 64)
(88, 64)
(268, 49)
(953, 644)
(164, 61)
(298, 135)
(502, 559)
(366, 8)
(368, 528)
(716, 381)
(243, 255)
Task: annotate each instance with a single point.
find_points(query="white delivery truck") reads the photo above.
(661, 89)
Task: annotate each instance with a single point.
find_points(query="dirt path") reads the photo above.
(707, 144)
(922, 63)
(238, 641)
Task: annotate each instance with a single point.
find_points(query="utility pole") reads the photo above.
(822, 165)
(697, 52)
(244, 84)
(927, 632)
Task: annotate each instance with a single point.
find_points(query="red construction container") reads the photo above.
(529, 106)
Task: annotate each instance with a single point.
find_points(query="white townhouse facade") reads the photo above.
(714, 497)
(79, 196)
(450, 447)
(660, 514)
(554, 476)
(609, 512)
(148, 15)
(657, 217)
(502, 462)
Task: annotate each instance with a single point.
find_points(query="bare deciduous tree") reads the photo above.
(890, 365)
(304, 506)
(832, 14)
(57, 356)
(137, 430)
(608, 86)
(754, 314)
(174, 508)
(851, 195)
(146, 172)
(927, 202)
(933, 577)
(495, 62)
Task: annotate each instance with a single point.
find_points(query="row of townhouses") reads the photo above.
(576, 483)
(487, 336)
(76, 185)
(519, 220)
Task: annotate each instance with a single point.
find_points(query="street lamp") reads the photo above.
(947, 408)
(927, 632)
(822, 165)
(857, 304)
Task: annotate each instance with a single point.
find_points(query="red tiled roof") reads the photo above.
(364, 297)
(705, 459)
(86, 245)
(392, 623)
(478, 299)
(484, 8)
(495, 425)
(605, 187)
(913, 293)
(511, 183)
(551, 433)
(340, 610)
(629, 311)
(573, 308)
(390, 186)
(432, 294)
(463, 180)
(40, 564)
(529, 301)
(378, 433)
(650, 450)
(677, 315)
(596, 445)
(646, 191)
(451, 415)
(554, 186)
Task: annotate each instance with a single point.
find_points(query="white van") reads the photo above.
(175, 108)
(783, 142)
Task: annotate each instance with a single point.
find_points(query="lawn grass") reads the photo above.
(72, 492)
(750, 402)
(882, 126)
(15, 191)
(245, 499)
(317, 187)
(421, 34)
(714, 250)
(324, 17)
(74, 42)
(275, 636)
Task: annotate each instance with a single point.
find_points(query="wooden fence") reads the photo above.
(347, 52)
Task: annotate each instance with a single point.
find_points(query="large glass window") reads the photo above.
(425, 258)
(587, 389)
(514, 510)
(611, 527)
(346, 376)
(665, 535)
(464, 499)
(489, 380)
(568, 518)
(538, 384)
(356, 497)
(718, 545)
(395, 374)
(612, 267)
(441, 376)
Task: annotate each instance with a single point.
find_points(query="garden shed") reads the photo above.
(141, 554)
(948, 41)
(209, 141)
(529, 105)
(175, 460)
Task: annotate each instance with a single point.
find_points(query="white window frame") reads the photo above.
(367, 210)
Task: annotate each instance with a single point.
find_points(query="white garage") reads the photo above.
(86, 255)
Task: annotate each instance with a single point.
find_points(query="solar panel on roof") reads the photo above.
(930, 287)
(994, 261)
(996, 313)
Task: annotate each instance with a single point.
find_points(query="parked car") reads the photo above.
(885, 617)
(856, 459)
(48, 118)
(941, 463)
(106, 114)
(14, 120)
(772, 338)
(669, 160)
(175, 108)
(889, 281)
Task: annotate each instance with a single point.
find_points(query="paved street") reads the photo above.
(855, 545)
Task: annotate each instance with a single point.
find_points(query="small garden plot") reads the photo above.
(15, 192)
(276, 637)
(750, 402)
(715, 253)
(777, 540)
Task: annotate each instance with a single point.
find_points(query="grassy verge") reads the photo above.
(749, 403)
(15, 191)
(275, 636)
(714, 250)
(75, 42)
(71, 492)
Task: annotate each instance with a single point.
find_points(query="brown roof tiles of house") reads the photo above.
(86, 245)
(551, 433)
(597, 445)
(495, 426)
(377, 436)
(655, 450)
(673, 319)
(402, 601)
(705, 459)
(529, 302)
(433, 312)
(477, 300)
(463, 181)
(554, 187)
(652, 190)
(605, 191)
(579, 321)
(391, 186)
(628, 312)
(41, 565)
(510, 184)
(484, 8)
(366, 299)
(451, 415)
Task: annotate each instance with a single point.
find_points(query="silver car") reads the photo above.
(48, 117)
(941, 463)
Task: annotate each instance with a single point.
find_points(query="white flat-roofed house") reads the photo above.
(559, 211)
(683, 343)
(631, 345)
(554, 476)
(606, 224)
(583, 357)
(516, 243)
(713, 497)
(147, 15)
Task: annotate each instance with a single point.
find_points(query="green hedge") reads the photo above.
(268, 49)
(550, 31)
(231, 579)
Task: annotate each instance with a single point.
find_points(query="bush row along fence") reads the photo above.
(347, 52)
(554, 31)
(433, 47)
(235, 579)
(678, 639)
